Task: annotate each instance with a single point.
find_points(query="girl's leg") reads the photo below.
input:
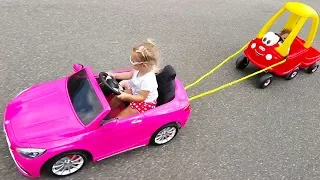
(115, 102)
(136, 107)
(127, 112)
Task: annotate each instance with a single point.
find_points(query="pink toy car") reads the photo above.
(56, 127)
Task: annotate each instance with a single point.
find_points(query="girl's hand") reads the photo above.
(124, 96)
(111, 74)
(122, 75)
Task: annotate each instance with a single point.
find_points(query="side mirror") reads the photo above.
(77, 67)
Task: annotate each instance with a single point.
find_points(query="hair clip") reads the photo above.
(141, 48)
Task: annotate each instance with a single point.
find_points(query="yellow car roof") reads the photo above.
(300, 9)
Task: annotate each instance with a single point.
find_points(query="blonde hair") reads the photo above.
(148, 52)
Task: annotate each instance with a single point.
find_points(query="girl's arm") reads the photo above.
(134, 98)
(139, 97)
(146, 86)
(123, 75)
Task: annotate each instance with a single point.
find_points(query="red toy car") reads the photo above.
(271, 48)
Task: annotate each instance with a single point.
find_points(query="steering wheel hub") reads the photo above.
(110, 83)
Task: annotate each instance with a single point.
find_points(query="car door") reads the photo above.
(119, 135)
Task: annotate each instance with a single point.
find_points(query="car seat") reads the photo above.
(166, 85)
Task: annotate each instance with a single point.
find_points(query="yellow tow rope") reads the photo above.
(230, 83)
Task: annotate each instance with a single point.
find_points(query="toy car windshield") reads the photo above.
(83, 97)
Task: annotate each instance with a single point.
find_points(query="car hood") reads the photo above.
(43, 112)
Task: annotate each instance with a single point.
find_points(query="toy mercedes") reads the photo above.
(57, 127)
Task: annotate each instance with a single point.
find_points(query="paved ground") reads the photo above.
(238, 133)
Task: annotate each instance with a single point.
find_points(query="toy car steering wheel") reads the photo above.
(110, 83)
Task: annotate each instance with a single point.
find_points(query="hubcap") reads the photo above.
(68, 165)
(314, 69)
(267, 82)
(165, 135)
(294, 74)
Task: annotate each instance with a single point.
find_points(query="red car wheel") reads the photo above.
(292, 74)
(313, 68)
(242, 62)
(265, 80)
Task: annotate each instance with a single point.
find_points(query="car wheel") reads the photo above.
(265, 80)
(313, 68)
(66, 164)
(242, 62)
(164, 134)
(292, 74)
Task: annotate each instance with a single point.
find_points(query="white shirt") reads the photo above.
(147, 82)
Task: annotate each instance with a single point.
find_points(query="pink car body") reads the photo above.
(44, 117)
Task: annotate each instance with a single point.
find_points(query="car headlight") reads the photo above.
(268, 57)
(253, 45)
(31, 152)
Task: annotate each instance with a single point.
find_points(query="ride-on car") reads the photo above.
(56, 127)
(269, 48)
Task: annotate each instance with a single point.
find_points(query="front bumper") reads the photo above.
(254, 59)
(28, 167)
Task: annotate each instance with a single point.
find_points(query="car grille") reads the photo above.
(10, 150)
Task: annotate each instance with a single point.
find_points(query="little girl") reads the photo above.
(141, 82)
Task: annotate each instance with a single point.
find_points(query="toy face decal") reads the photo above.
(270, 39)
(261, 48)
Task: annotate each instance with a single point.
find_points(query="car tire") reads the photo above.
(313, 68)
(265, 80)
(164, 134)
(292, 74)
(242, 62)
(75, 160)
